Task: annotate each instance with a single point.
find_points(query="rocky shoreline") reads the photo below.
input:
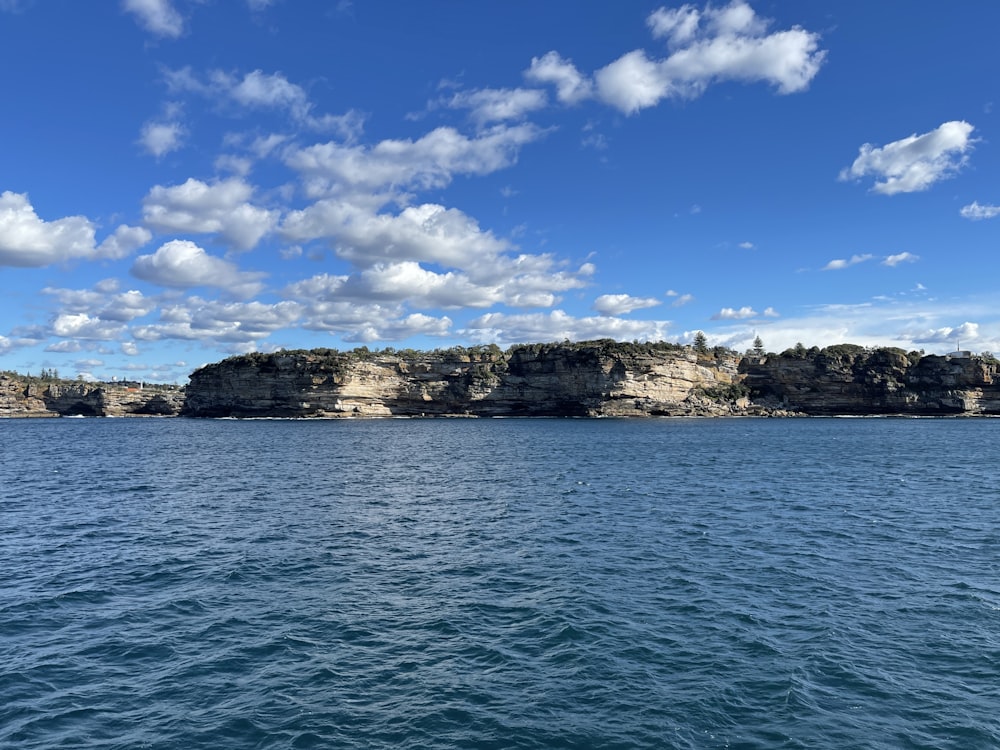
(588, 379)
(22, 396)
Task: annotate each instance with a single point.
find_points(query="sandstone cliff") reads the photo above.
(852, 380)
(33, 397)
(600, 378)
(589, 379)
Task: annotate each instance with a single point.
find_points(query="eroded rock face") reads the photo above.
(592, 379)
(851, 380)
(31, 397)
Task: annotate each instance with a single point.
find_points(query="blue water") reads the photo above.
(816, 583)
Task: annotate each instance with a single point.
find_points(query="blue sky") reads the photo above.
(181, 180)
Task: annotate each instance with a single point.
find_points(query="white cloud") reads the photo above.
(233, 323)
(399, 329)
(28, 241)
(429, 162)
(840, 263)
(632, 82)
(428, 232)
(156, 16)
(914, 163)
(678, 25)
(160, 138)
(265, 90)
(571, 85)
(182, 264)
(66, 346)
(622, 304)
(895, 260)
(121, 243)
(496, 105)
(729, 313)
(947, 335)
(260, 90)
(557, 325)
(221, 208)
(104, 302)
(361, 321)
(682, 300)
(976, 212)
(524, 281)
(747, 245)
(83, 326)
(716, 44)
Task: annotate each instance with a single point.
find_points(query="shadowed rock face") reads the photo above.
(31, 397)
(591, 379)
(851, 380)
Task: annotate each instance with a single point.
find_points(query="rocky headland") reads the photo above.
(854, 380)
(23, 396)
(592, 379)
(588, 379)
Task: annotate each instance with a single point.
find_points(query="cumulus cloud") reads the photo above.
(360, 321)
(158, 17)
(496, 105)
(682, 299)
(557, 325)
(426, 163)
(428, 232)
(121, 243)
(161, 138)
(976, 212)
(622, 304)
(517, 282)
(706, 46)
(222, 208)
(104, 301)
(182, 264)
(66, 346)
(895, 260)
(571, 85)
(27, 241)
(83, 326)
(234, 323)
(399, 282)
(839, 264)
(632, 82)
(947, 335)
(729, 313)
(914, 163)
(260, 90)
(747, 245)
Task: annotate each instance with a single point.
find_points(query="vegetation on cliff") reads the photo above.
(587, 378)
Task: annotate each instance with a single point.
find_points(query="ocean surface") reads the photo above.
(734, 583)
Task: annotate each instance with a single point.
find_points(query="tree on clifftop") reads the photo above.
(700, 343)
(758, 346)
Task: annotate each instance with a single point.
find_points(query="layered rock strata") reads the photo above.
(852, 380)
(591, 379)
(602, 378)
(33, 397)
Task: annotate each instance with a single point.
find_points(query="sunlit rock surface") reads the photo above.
(23, 396)
(601, 378)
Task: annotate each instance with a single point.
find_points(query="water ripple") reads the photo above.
(499, 584)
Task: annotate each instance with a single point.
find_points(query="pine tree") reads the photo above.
(758, 346)
(700, 343)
